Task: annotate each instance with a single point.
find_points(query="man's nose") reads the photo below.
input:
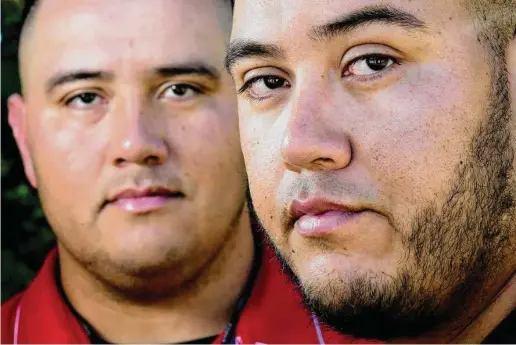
(312, 140)
(138, 137)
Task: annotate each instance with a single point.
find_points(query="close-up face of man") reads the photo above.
(380, 148)
(128, 129)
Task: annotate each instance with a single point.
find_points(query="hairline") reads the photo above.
(29, 12)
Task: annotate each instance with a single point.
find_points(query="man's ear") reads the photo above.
(17, 120)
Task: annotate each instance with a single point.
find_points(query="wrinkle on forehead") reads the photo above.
(96, 31)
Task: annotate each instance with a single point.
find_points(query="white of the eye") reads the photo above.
(260, 88)
(169, 92)
(361, 68)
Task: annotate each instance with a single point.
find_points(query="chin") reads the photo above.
(331, 278)
(145, 273)
(355, 295)
(318, 266)
(137, 256)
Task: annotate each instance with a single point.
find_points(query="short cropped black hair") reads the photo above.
(29, 5)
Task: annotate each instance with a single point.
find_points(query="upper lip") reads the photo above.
(315, 206)
(128, 193)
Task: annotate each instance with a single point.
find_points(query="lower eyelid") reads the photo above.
(371, 78)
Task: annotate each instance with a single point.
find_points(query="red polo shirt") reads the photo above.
(273, 313)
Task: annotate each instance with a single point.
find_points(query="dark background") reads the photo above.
(26, 237)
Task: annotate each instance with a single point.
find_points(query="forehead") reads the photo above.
(107, 34)
(286, 20)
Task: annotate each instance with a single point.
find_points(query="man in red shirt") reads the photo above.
(127, 127)
(380, 144)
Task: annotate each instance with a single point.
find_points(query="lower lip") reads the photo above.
(324, 223)
(143, 204)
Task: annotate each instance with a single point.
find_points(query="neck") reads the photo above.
(201, 309)
(502, 305)
(477, 321)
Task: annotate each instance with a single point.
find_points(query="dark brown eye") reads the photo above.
(87, 97)
(85, 100)
(369, 64)
(273, 82)
(180, 91)
(265, 86)
(377, 63)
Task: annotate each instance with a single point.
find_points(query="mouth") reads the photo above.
(316, 217)
(143, 200)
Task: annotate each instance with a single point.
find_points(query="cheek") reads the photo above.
(67, 158)
(209, 149)
(423, 131)
(261, 137)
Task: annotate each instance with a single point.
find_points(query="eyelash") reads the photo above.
(197, 90)
(68, 100)
(245, 89)
(250, 83)
(395, 61)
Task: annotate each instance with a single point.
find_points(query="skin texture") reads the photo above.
(424, 147)
(167, 275)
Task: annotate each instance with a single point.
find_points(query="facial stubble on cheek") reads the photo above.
(457, 246)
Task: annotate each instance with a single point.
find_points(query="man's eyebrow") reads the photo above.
(241, 49)
(72, 76)
(365, 16)
(201, 69)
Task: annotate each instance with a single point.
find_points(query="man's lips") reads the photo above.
(318, 217)
(143, 200)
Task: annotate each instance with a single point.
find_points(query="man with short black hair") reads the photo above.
(380, 141)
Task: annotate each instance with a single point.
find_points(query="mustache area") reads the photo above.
(156, 183)
(339, 190)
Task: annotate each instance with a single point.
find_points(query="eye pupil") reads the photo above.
(273, 82)
(179, 90)
(377, 62)
(87, 97)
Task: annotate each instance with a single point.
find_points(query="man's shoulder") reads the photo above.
(9, 306)
(39, 314)
(9, 309)
(274, 312)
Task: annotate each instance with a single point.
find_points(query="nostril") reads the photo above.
(152, 160)
(325, 159)
(323, 162)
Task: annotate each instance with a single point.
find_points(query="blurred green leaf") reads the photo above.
(13, 10)
(6, 166)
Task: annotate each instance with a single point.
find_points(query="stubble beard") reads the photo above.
(457, 248)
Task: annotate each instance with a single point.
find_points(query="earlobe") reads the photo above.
(17, 121)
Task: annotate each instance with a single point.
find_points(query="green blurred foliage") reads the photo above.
(26, 236)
